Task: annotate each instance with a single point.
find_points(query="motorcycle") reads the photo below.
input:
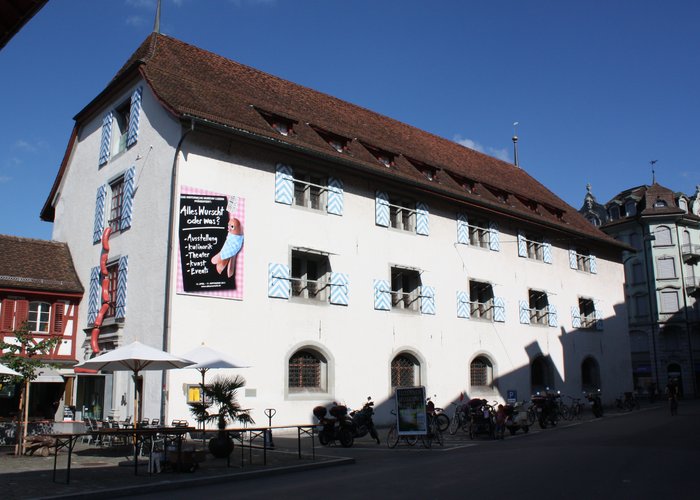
(338, 427)
(361, 422)
(516, 418)
(596, 403)
(481, 419)
(546, 408)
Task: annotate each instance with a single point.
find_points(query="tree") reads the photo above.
(24, 355)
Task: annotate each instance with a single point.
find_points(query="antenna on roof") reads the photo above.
(653, 172)
(515, 144)
(156, 23)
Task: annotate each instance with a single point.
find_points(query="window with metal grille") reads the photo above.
(113, 277)
(304, 371)
(309, 275)
(38, 317)
(310, 190)
(405, 289)
(117, 204)
(586, 309)
(404, 371)
(480, 300)
(481, 372)
(539, 307)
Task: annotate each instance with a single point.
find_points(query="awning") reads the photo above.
(48, 375)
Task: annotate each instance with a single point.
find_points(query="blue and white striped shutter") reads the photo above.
(120, 312)
(422, 219)
(94, 296)
(134, 113)
(593, 264)
(522, 245)
(552, 315)
(284, 184)
(462, 229)
(547, 252)
(572, 259)
(494, 242)
(106, 141)
(99, 213)
(335, 196)
(427, 300)
(598, 319)
(128, 201)
(575, 317)
(499, 309)
(339, 288)
(524, 312)
(463, 305)
(382, 295)
(381, 206)
(278, 284)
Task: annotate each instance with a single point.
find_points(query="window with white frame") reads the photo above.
(38, 317)
(402, 214)
(307, 371)
(481, 372)
(531, 246)
(583, 260)
(481, 300)
(309, 275)
(310, 190)
(586, 309)
(666, 267)
(405, 371)
(405, 289)
(539, 307)
(117, 204)
(479, 233)
(669, 301)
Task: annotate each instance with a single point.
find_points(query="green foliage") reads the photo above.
(223, 393)
(24, 355)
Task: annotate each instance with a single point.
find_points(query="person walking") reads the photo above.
(672, 393)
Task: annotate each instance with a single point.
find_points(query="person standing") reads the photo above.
(672, 393)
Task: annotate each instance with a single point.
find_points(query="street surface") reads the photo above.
(645, 454)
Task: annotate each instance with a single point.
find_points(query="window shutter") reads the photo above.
(134, 113)
(573, 260)
(128, 202)
(382, 295)
(422, 222)
(463, 305)
(494, 243)
(57, 311)
(99, 213)
(8, 315)
(94, 295)
(462, 229)
(278, 284)
(499, 309)
(598, 319)
(381, 206)
(427, 300)
(575, 317)
(21, 313)
(552, 315)
(547, 252)
(120, 312)
(669, 302)
(524, 312)
(339, 288)
(335, 196)
(666, 267)
(522, 245)
(594, 264)
(284, 184)
(106, 141)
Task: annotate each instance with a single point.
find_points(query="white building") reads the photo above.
(374, 254)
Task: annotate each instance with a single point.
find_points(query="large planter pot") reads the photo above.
(221, 446)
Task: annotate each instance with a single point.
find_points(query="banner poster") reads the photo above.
(210, 236)
(411, 418)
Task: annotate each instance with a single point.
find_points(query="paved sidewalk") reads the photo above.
(109, 472)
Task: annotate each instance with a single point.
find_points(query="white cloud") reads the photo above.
(500, 153)
(135, 21)
(23, 145)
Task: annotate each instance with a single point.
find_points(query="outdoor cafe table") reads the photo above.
(68, 440)
(260, 432)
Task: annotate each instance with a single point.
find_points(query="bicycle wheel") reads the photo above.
(392, 437)
(455, 424)
(565, 413)
(443, 421)
(427, 440)
(411, 440)
(531, 415)
(437, 436)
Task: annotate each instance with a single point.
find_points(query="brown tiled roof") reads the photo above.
(192, 82)
(42, 265)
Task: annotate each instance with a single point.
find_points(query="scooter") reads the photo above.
(360, 422)
(335, 428)
(516, 418)
(596, 403)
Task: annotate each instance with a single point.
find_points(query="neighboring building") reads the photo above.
(340, 252)
(662, 285)
(39, 287)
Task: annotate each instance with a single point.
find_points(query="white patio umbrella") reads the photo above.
(4, 370)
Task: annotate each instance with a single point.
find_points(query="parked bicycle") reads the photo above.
(574, 408)
(460, 418)
(393, 438)
(627, 402)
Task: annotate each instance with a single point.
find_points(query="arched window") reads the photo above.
(38, 317)
(590, 375)
(663, 236)
(481, 372)
(683, 205)
(307, 371)
(405, 371)
(541, 375)
(631, 208)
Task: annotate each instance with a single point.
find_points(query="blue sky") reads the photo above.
(599, 87)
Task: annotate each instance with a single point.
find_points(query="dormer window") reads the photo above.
(282, 125)
(501, 195)
(384, 157)
(631, 208)
(428, 171)
(614, 212)
(660, 204)
(340, 144)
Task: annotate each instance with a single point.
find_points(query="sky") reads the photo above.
(598, 88)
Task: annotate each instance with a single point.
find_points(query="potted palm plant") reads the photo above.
(223, 394)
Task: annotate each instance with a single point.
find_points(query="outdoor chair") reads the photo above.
(155, 422)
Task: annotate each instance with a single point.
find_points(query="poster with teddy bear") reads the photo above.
(211, 244)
